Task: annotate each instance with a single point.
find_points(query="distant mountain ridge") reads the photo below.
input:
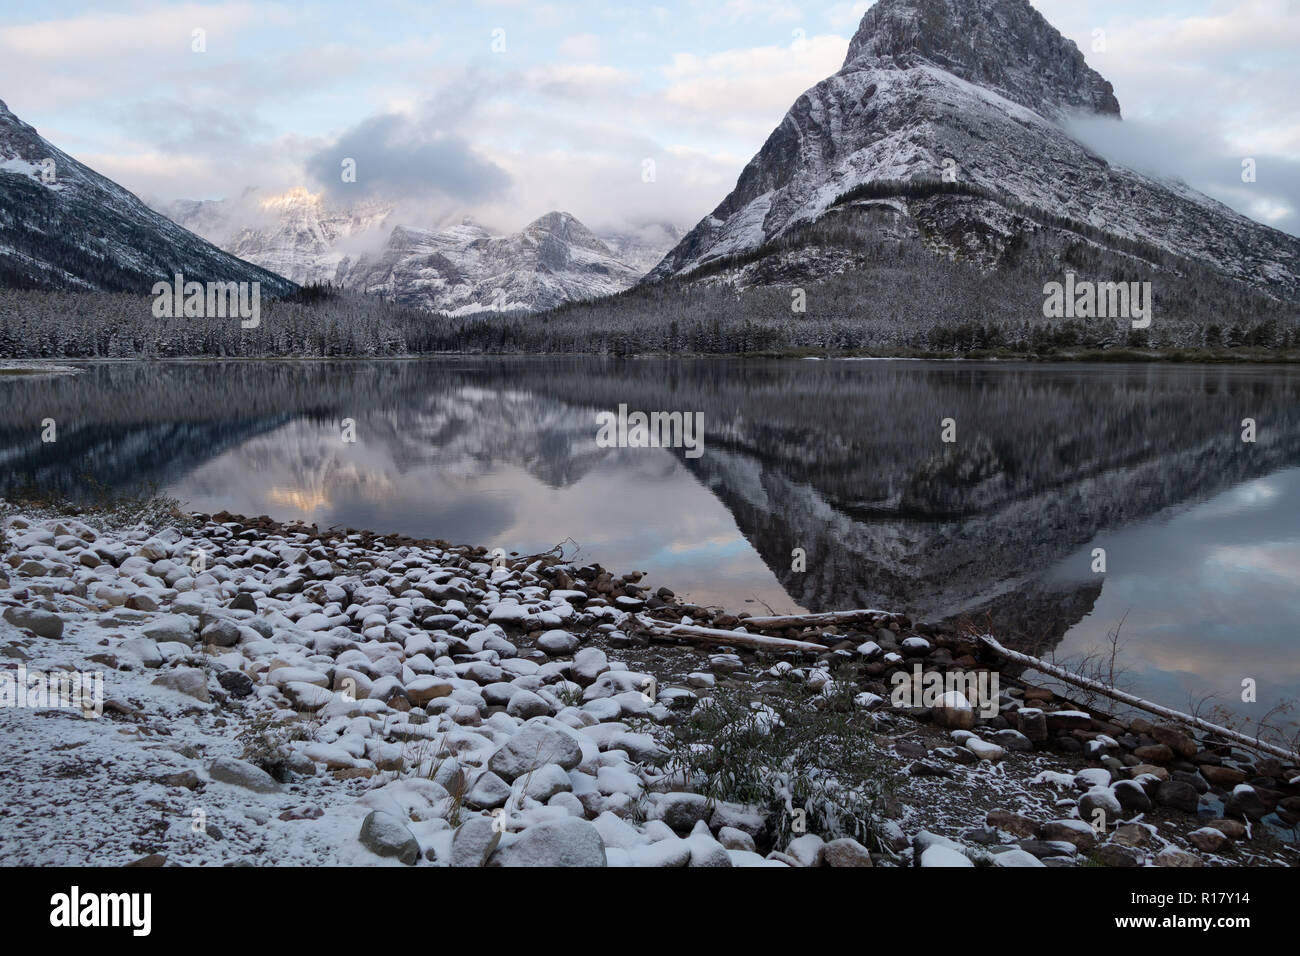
(458, 269)
(465, 269)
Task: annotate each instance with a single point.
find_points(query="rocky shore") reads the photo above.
(285, 695)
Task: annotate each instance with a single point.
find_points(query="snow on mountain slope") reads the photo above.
(980, 87)
(294, 233)
(465, 269)
(461, 269)
(64, 226)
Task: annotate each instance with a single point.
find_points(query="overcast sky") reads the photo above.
(575, 97)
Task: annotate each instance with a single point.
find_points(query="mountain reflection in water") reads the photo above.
(842, 459)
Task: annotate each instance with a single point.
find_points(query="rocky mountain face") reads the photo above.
(64, 226)
(1002, 45)
(295, 234)
(973, 93)
(465, 269)
(457, 269)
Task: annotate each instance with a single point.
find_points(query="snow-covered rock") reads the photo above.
(567, 842)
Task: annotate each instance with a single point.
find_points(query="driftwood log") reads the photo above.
(713, 635)
(780, 622)
(1097, 687)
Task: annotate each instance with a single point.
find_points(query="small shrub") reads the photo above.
(791, 749)
(266, 741)
(106, 509)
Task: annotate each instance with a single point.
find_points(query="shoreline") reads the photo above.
(305, 679)
(1174, 356)
(34, 368)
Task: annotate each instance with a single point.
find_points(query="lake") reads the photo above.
(841, 461)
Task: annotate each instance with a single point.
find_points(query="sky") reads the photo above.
(508, 109)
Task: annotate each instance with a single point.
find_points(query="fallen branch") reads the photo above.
(780, 622)
(713, 635)
(1097, 687)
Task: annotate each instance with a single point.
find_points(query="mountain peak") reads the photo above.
(18, 139)
(970, 94)
(555, 221)
(567, 228)
(295, 198)
(1003, 45)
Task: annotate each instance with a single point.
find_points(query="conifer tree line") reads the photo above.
(690, 320)
(889, 269)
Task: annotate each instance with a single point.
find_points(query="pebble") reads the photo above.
(807, 849)
(1074, 832)
(240, 773)
(734, 839)
(942, 856)
(568, 842)
(473, 842)
(681, 811)
(540, 741)
(845, 852)
(381, 644)
(185, 680)
(1177, 794)
(558, 643)
(487, 792)
(385, 835)
(41, 623)
(1209, 840)
(1016, 858)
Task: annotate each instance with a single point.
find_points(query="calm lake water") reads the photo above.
(842, 459)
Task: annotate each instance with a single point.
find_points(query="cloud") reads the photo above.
(1231, 72)
(733, 12)
(1184, 151)
(578, 80)
(582, 46)
(566, 118)
(606, 190)
(847, 16)
(175, 126)
(151, 30)
(739, 81)
(74, 60)
(577, 136)
(396, 155)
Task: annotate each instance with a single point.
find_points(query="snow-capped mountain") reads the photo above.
(64, 226)
(462, 268)
(465, 269)
(294, 233)
(982, 90)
